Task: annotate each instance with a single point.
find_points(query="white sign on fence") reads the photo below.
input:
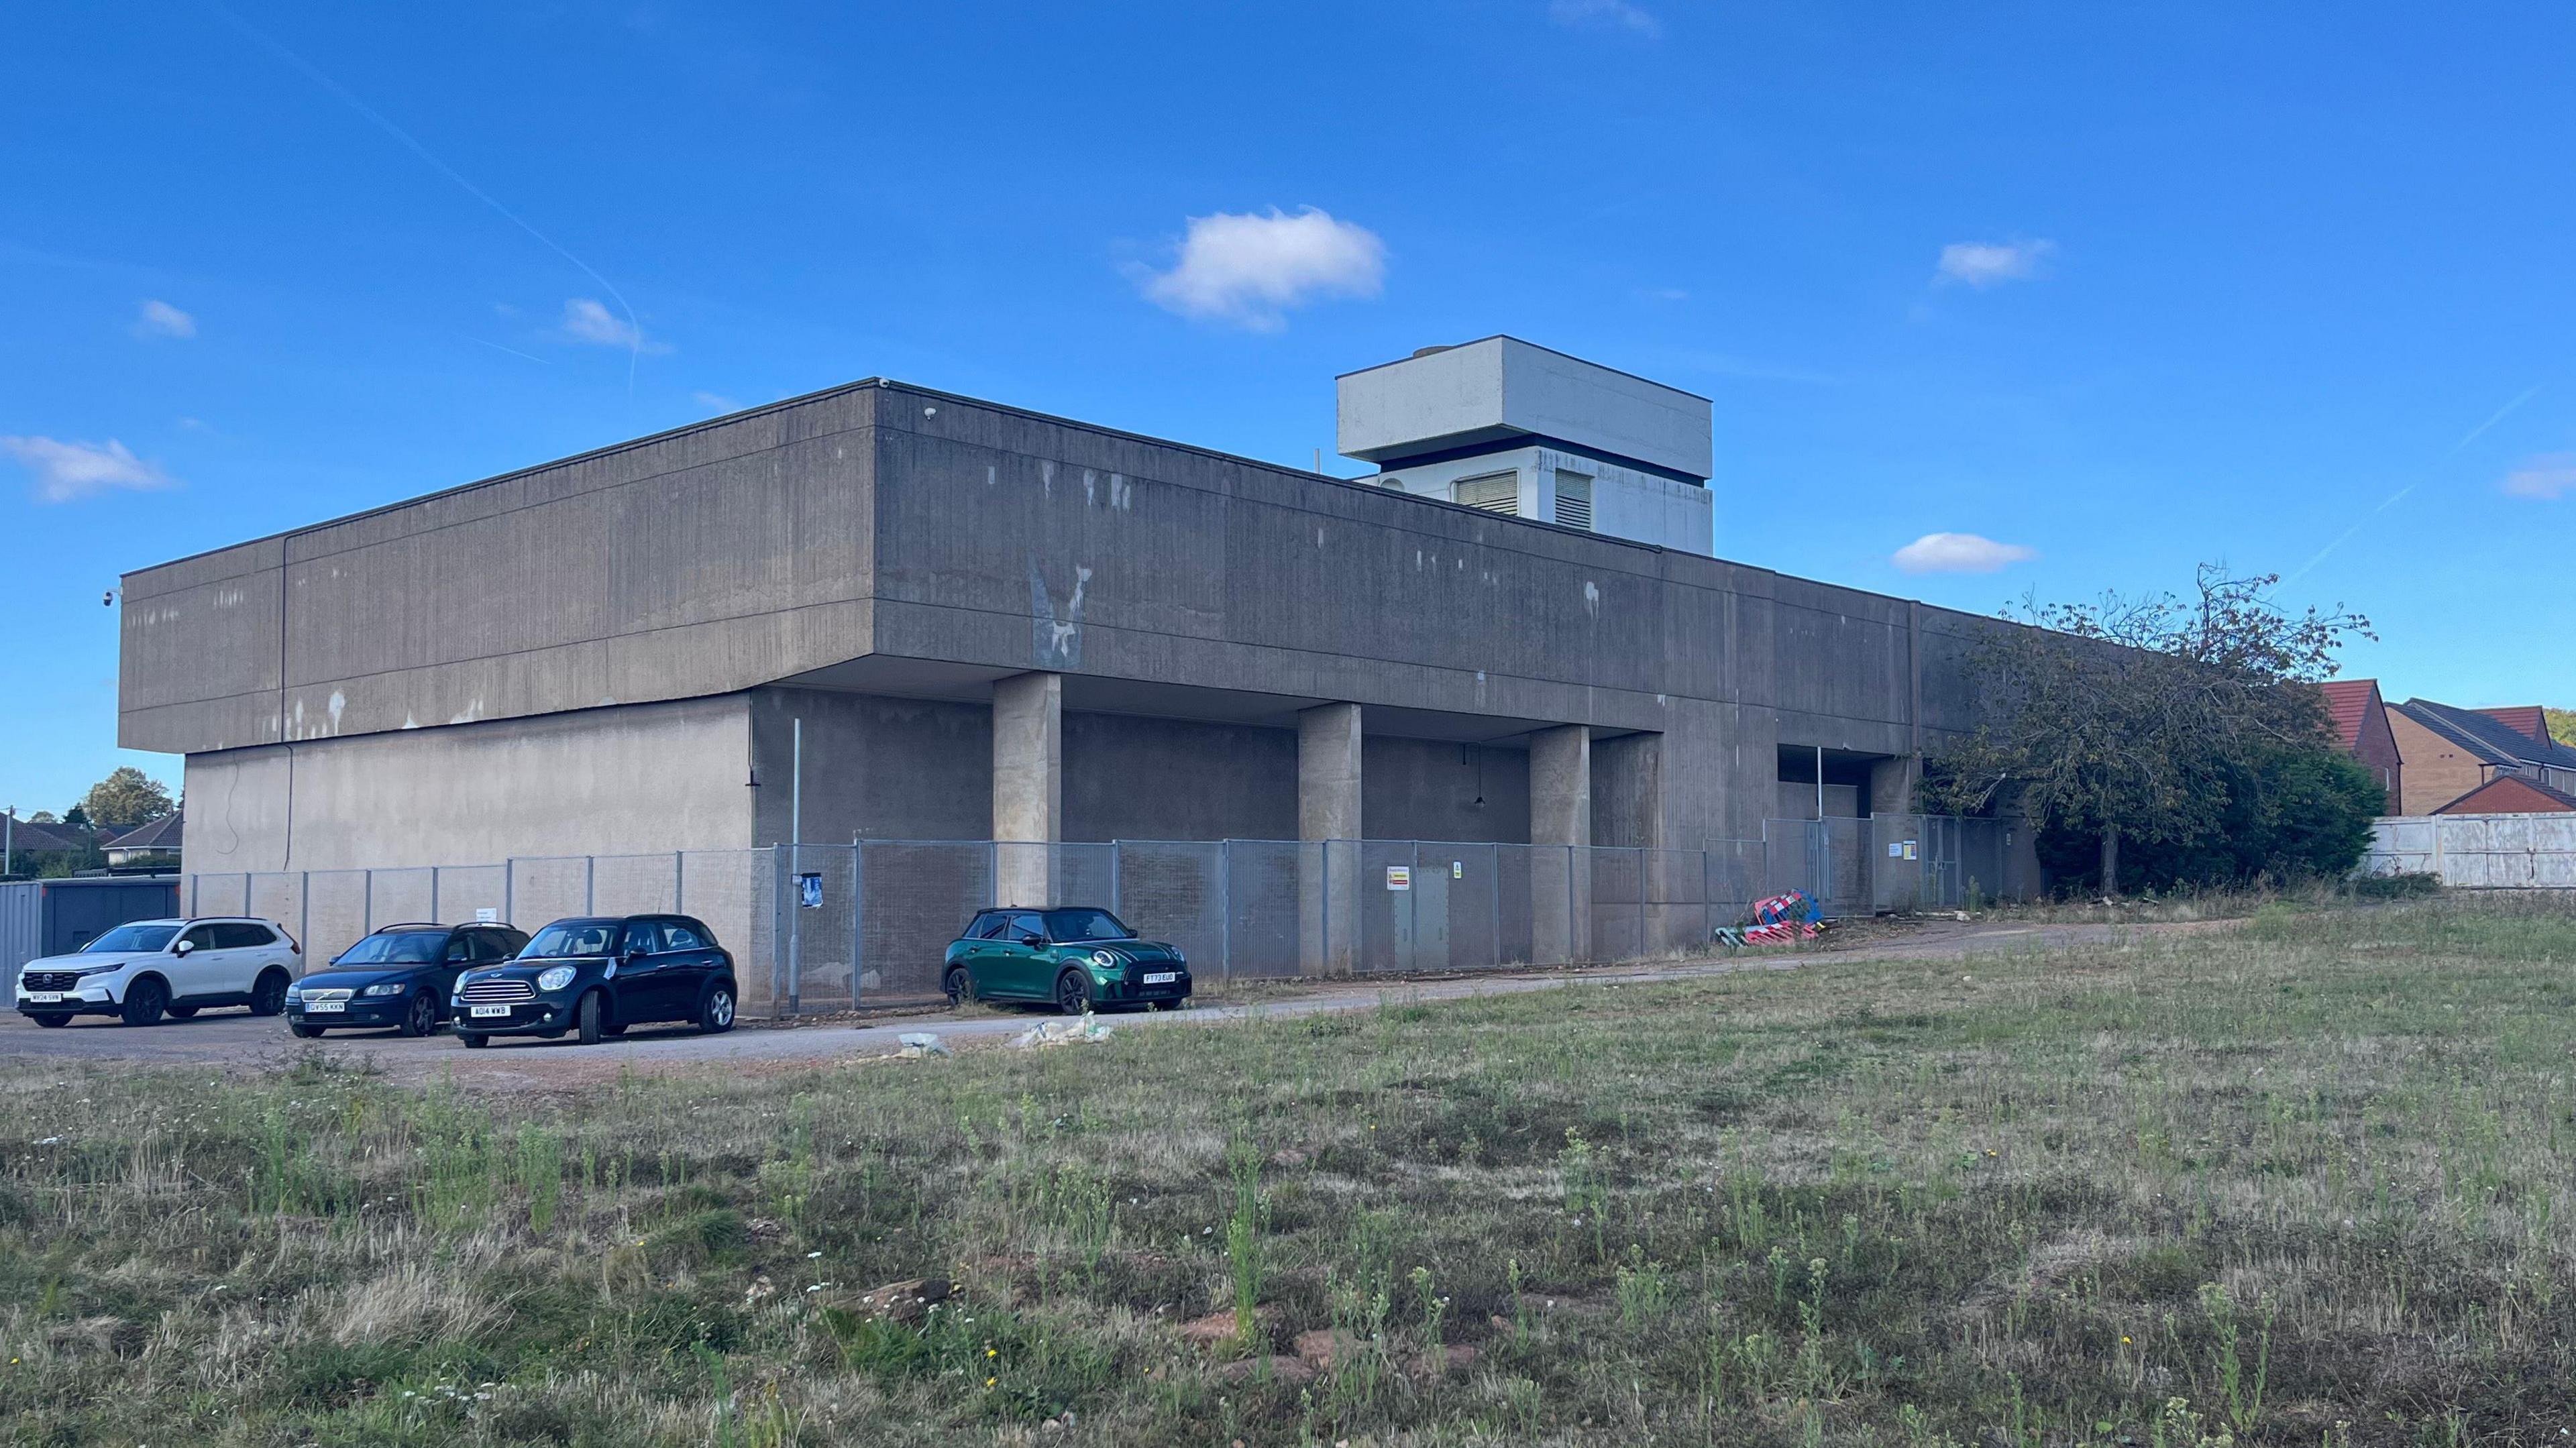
(1399, 877)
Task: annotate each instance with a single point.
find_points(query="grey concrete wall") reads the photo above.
(907, 524)
(640, 779)
(1427, 789)
(1129, 778)
(875, 768)
(698, 562)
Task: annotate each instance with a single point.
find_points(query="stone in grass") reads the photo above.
(1217, 1329)
(904, 1303)
(1319, 1348)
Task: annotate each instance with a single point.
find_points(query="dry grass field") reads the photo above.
(2301, 1182)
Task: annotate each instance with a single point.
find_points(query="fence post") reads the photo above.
(1225, 907)
(304, 912)
(1413, 910)
(590, 884)
(1115, 907)
(679, 882)
(509, 889)
(367, 914)
(1644, 860)
(1494, 893)
(858, 915)
(1572, 926)
(433, 892)
(1327, 961)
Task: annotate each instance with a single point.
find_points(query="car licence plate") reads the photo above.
(324, 1008)
(1161, 977)
(479, 1012)
(44, 997)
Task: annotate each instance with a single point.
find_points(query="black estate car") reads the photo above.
(595, 976)
(1073, 957)
(399, 977)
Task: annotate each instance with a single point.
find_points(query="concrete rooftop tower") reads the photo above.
(1516, 429)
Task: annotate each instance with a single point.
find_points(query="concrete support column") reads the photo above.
(1560, 786)
(1028, 787)
(1627, 812)
(1328, 824)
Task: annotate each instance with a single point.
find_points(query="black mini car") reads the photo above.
(398, 978)
(595, 976)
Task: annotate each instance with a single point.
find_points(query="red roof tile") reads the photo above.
(2524, 719)
(2348, 701)
(2511, 794)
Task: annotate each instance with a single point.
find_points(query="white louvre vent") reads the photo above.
(1574, 501)
(1498, 493)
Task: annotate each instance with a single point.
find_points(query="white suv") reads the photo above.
(147, 967)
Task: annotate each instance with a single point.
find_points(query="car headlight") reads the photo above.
(389, 988)
(1104, 960)
(555, 979)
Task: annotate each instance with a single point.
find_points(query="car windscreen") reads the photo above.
(412, 947)
(132, 937)
(1086, 925)
(572, 937)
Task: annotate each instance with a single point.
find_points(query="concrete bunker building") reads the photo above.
(987, 624)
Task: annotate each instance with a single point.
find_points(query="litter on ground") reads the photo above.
(917, 1044)
(1059, 1033)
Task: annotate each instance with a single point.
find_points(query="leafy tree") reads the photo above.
(127, 797)
(44, 817)
(2153, 722)
(76, 816)
(2562, 725)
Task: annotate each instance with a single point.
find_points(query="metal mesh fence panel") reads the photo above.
(399, 897)
(734, 893)
(1262, 884)
(1905, 860)
(1174, 891)
(914, 899)
(1618, 902)
(335, 913)
(280, 897)
(1676, 913)
(1734, 870)
(465, 891)
(825, 970)
(1985, 861)
(634, 884)
(548, 889)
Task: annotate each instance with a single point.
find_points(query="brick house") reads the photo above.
(2449, 752)
(2361, 722)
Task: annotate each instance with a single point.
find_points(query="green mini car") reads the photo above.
(1074, 957)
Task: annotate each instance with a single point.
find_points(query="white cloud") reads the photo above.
(1986, 263)
(1959, 553)
(1247, 268)
(586, 320)
(68, 470)
(2549, 476)
(715, 402)
(157, 318)
(1614, 13)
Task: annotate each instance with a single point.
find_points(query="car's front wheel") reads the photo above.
(1072, 993)
(145, 1000)
(715, 1013)
(421, 1017)
(586, 1019)
(268, 997)
(959, 985)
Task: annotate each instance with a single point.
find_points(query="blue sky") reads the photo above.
(2126, 287)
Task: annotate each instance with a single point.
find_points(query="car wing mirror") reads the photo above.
(183, 947)
(1032, 941)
